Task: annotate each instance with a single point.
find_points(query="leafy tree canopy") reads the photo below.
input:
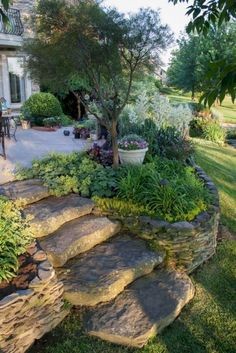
(98, 47)
(191, 63)
(205, 15)
(207, 12)
(4, 6)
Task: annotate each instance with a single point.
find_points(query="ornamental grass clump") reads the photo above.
(132, 142)
(15, 235)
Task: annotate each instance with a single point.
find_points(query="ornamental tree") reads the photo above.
(101, 47)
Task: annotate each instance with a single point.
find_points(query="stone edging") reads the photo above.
(188, 244)
(28, 314)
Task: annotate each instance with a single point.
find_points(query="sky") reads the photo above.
(172, 15)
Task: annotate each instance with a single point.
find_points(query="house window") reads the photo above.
(16, 79)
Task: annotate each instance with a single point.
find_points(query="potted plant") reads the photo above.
(132, 149)
(25, 123)
(81, 131)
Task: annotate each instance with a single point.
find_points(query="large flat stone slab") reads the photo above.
(102, 273)
(76, 237)
(142, 310)
(27, 191)
(51, 213)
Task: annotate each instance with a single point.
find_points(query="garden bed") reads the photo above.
(188, 243)
(44, 128)
(26, 273)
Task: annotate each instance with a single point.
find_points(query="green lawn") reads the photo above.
(208, 323)
(228, 109)
(220, 164)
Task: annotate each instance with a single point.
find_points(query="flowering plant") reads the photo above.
(132, 142)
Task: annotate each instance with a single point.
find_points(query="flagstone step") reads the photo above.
(27, 191)
(76, 237)
(100, 274)
(142, 310)
(51, 213)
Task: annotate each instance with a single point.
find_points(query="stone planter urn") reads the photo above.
(25, 124)
(133, 156)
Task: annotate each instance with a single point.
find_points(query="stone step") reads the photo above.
(142, 310)
(51, 213)
(27, 191)
(76, 237)
(102, 273)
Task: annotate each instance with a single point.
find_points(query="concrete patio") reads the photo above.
(33, 144)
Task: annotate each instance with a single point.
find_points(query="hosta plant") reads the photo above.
(15, 235)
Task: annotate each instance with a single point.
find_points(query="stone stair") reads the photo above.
(76, 237)
(51, 213)
(102, 273)
(26, 191)
(142, 310)
(128, 294)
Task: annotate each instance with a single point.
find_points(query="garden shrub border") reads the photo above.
(187, 244)
(26, 315)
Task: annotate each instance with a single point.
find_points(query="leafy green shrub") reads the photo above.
(169, 143)
(198, 125)
(196, 107)
(214, 132)
(41, 105)
(66, 120)
(53, 121)
(14, 238)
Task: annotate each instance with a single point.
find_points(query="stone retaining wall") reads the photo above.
(28, 314)
(188, 244)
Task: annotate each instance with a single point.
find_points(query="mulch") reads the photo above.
(26, 273)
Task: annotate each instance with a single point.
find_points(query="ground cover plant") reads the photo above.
(75, 172)
(14, 238)
(163, 188)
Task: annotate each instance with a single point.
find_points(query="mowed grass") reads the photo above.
(220, 164)
(208, 323)
(227, 108)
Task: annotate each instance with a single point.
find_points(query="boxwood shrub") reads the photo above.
(41, 105)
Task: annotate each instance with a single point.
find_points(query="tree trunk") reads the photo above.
(114, 141)
(78, 107)
(78, 101)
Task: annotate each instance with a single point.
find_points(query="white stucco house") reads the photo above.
(15, 85)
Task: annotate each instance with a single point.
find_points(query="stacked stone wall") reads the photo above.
(188, 244)
(28, 314)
